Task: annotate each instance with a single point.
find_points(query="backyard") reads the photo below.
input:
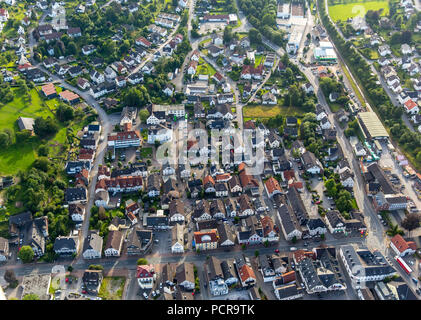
(344, 11)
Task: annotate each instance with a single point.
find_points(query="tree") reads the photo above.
(26, 254)
(143, 115)
(9, 276)
(42, 163)
(71, 48)
(255, 36)
(411, 222)
(65, 113)
(136, 97)
(227, 34)
(142, 261)
(4, 140)
(45, 127)
(256, 253)
(43, 150)
(394, 230)
(96, 267)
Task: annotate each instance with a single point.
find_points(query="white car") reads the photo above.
(145, 295)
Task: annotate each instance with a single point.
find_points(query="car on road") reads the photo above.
(145, 295)
(276, 250)
(292, 249)
(318, 202)
(84, 291)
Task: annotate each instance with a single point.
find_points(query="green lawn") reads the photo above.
(146, 152)
(350, 10)
(258, 59)
(203, 42)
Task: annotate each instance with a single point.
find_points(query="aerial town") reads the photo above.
(210, 150)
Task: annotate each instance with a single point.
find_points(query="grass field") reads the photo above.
(20, 156)
(258, 59)
(261, 111)
(205, 68)
(10, 112)
(112, 288)
(146, 152)
(350, 10)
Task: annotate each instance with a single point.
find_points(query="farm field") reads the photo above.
(350, 10)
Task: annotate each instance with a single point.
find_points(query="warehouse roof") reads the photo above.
(372, 125)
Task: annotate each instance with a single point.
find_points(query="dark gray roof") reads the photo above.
(315, 223)
(74, 194)
(297, 205)
(65, 243)
(288, 291)
(288, 219)
(20, 219)
(381, 178)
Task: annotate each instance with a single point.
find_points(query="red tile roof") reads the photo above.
(145, 271)
(123, 182)
(300, 255)
(401, 244)
(246, 272)
(289, 174)
(126, 135)
(249, 125)
(295, 184)
(410, 104)
(199, 236)
(272, 185)
(145, 42)
(222, 177)
(247, 180)
(288, 276)
(267, 225)
(208, 179)
(68, 95)
(48, 89)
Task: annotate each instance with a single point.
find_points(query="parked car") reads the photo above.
(145, 295)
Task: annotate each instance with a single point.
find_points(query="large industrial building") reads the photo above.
(371, 126)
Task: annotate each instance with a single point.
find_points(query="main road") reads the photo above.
(130, 262)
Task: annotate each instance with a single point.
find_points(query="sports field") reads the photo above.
(350, 10)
